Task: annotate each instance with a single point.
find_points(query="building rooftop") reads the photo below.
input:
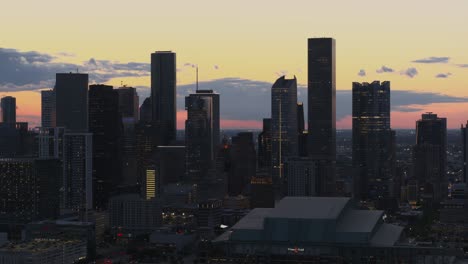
(309, 207)
(314, 220)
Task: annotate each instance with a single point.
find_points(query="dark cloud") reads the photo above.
(256, 98)
(384, 69)
(410, 72)
(462, 65)
(443, 75)
(362, 73)
(433, 60)
(33, 70)
(216, 67)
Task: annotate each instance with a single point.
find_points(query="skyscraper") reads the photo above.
(321, 89)
(430, 157)
(300, 176)
(128, 103)
(373, 155)
(464, 135)
(163, 93)
(264, 145)
(146, 114)
(71, 91)
(129, 110)
(301, 132)
(105, 123)
(243, 163)
(50, 140)
(8, 106)
(77, 172)
(202, 134)
(48, 113)
(283, 124)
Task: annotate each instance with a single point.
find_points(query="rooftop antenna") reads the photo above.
(77, 70)
(197, 77)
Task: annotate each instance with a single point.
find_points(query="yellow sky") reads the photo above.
(252, 39)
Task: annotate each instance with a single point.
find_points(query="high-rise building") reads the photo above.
(464, 135)
(264, 145)
(262, 192)
(48, 113)
(19, 193)
(300, 176)
(128, 103)
(8, 106)
(202, 135)
(163, 93)
(77, 172)
(321, 87)
(283, 124)
(430, 157)
(146, 109)
(50, 140)
(243, 163)
(71, 95)
(301, 132)
(49, 173)
(147, 140)
(105, 123)
(373, 156)
(171, 163)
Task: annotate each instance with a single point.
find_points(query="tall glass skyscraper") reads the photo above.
(202, 136)
(163, 93)
(71, 91)
(283, 124)
(373, 156)
(430, 157)
(321, 88)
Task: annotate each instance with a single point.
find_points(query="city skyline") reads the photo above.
(225, 44)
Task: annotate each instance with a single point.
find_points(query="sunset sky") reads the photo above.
(241, 48)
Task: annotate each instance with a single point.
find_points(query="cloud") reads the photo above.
(410, 72)
(33, 70)
(362, 73)
(433, 60)
(256, 98)
(462, 65)
(443, 75)
(384, 69)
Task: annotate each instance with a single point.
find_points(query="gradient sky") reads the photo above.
(420, 46)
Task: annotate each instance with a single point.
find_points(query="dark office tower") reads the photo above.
(128, 103)
(202, 136)
(71, 95)
(48, 113)
(105, 123)
(264, 145)
(243, 163)
(49, 177)
(146, 111)
(321, 89)
(147, 141)
(301, 132)
(18, 199)
(372, 141)
(430, 157)
(263, 194)
(77, 172)
(8, 105)
(283, 124)
(300, 176)
(163, 93)
(129, 109)
(464, 135)
(50, 142)
(171, 164)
